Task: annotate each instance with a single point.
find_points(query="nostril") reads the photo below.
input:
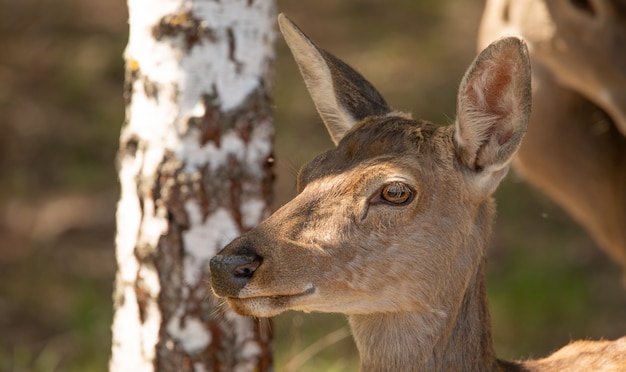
(245, 270)
(232, 268)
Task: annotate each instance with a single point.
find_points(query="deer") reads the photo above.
(575, 147)
(391, 226)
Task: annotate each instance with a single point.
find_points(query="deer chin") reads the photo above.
(268, 306)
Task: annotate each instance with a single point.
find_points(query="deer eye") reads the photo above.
(396, 193)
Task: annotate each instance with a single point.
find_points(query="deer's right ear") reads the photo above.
(341, 95)
(493, 108)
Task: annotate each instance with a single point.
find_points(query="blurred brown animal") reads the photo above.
(575, 147)
(391, 227)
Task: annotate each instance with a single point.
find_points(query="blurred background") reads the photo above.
(61, 110)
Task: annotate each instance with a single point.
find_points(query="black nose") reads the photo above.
(230, 273)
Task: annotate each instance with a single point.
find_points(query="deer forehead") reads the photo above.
(380, 147)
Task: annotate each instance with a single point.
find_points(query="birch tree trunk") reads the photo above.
(195, 171)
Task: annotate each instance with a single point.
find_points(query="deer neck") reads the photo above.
(457, 337)
(418, 341)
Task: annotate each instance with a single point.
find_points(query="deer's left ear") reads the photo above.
(493, 109)
(341, 95)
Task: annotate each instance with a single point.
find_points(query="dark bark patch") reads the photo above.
(204, 196)
(150, 88)
(263, 337)
(142, 299)
(130, 146)
(235, 192)
(211, 123)
(267, 183)
(131, 74)
(192, 29)
(232, 47)
(176, 205)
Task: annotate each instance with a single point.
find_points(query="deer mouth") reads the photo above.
(267, 306)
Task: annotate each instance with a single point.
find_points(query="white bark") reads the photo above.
(193, 168)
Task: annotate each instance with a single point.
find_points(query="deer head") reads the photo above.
(392, 216)
(396, 218)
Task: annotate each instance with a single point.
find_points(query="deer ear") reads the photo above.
(341, 95)
(493, 108)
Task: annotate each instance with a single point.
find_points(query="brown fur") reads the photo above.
(575, 148)
(410, 276)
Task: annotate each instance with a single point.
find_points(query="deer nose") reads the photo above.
(230, 273)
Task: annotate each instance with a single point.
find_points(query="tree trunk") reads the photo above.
(195, 171)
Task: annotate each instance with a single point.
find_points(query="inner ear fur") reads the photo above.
(493, 108)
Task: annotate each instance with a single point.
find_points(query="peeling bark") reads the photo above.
(195, 163)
